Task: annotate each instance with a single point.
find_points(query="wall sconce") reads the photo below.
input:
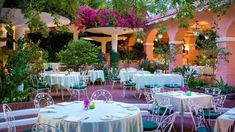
(155, 39)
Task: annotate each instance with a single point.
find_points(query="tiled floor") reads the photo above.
(117, 96)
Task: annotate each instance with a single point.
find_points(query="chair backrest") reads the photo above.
(216, 91)
(219, 100)
(43, 97)
(167, 123)
(156, 90)
(164, 102)
(148, 97)
(101, 93)
(41, 127)
(208, 91)
(9, 118)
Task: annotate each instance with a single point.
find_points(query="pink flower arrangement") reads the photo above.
(184, 89)
(88, 17)
(86, 103)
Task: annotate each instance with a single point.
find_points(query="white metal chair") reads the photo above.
(102, 93)
(212, 91)
(163, 126)
(198, 112)
(42, 127)
(77, 87)
(115, 76)
(219, 101)
(9, 118)
(216, 91)
(43, 97)
(128, 84)
(39, 84)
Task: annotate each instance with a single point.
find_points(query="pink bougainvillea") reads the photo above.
(89, 17)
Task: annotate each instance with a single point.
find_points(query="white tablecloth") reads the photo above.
(178, 97)
(106, 117)
(202, 70)
(62, 78)
(225, 121)
(160, 79)
(126, 75)
(96, 74)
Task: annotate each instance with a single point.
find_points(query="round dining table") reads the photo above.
(105, 117)
(62, 78)
(96, 74)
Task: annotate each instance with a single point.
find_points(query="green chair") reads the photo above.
(76, 88)
(128, 84)
(39, 84)
(200, 123)
(154, 125)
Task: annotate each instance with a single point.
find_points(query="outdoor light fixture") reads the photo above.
(206, 37)
(160, 36)
(196, 30)
(156, 39)
(138, 40)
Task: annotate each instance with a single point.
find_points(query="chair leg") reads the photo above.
(124, 92)
(113, 84)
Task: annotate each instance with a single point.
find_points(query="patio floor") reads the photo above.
(117, 96)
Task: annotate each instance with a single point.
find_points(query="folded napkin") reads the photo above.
(64, 103)
(106, 117)
(98, 101)
(50, 107)
(77, 101)
(132, 108)
(126, 105)
(75, 119)
(120, 115)
(232, 117)
(44, 110)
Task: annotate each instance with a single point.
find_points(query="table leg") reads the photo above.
(62, 93)
(182, 121)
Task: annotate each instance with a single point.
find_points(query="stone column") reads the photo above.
(103, 46)
(114, 42)
(19, 33)
(148, 47)
(176, 60)
(226, 70)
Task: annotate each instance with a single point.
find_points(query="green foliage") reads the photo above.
(195, 83)
(114, 59)
(152, 66)
(18, 96)
(161, 28)
(32, 9)
(210, 51)
(225, 88)
(165, 53)
(79, 53)
(27, 59)
(186, 72)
